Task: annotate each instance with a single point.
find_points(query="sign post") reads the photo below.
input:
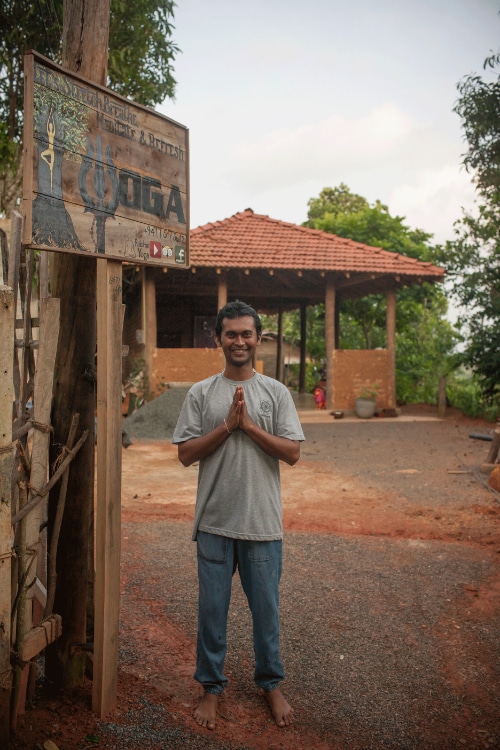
(103, 176)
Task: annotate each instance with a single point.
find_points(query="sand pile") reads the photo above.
(156, 420)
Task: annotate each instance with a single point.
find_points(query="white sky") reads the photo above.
(283, 98)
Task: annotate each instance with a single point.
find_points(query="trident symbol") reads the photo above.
(98, 207)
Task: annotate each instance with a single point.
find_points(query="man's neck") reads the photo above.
(238, 373)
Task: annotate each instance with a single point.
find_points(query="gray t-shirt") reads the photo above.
(239, 493)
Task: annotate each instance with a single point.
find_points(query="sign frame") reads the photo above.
(103, 175)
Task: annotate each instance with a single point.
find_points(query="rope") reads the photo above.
(42, 427)
(36, 491)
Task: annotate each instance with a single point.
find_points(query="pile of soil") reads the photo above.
(389, 599)
(156, 419)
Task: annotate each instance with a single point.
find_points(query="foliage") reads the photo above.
(473, 258)
(465, 391)
(369, 391)
(141, 55)
(478, 106)
(138, 383)
(141, 51)
(338, 200)
(424, 338)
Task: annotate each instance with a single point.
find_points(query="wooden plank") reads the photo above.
(6, 400)
(149, 324)
(116, 182)
(41, 636)
(492, 456)
(42, 399)
(108, 505)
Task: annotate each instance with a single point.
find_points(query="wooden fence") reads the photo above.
(29, 333)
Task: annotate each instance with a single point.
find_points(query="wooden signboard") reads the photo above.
(102, 174)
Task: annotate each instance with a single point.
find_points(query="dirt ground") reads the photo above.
(390, 601)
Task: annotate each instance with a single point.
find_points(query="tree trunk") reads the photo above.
(85, 51)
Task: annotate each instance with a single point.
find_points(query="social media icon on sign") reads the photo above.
(155, 249)
(179, 254)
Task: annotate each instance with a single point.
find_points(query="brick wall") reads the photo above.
(355, 369)
(184, 366)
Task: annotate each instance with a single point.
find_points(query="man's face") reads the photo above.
(238, 340)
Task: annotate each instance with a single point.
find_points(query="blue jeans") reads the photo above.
(259, 565)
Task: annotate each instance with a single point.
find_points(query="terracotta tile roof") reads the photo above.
(249, 240)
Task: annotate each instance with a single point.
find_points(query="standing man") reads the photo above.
(239, 425)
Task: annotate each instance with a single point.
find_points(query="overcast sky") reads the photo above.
(283, 98)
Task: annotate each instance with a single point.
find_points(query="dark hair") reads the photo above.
(237, 309)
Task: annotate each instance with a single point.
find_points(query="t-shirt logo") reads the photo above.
(265, 408)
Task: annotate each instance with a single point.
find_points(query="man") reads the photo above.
(239, 425)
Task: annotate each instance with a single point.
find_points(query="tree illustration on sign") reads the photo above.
(60, 129)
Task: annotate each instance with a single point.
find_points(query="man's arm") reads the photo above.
(277, 447)
(274, 445)
(203, 446)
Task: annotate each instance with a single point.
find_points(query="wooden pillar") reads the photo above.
(108, 504)
(337, 322)
(329, 339)
(222, 291)
(391, 345)
(279, 347)
(149, 322)
(7, 314)
(442, 397)
(303, 348)
(73, 280)
(42, 402)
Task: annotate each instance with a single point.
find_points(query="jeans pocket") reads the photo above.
(212, 547)
(264, 551)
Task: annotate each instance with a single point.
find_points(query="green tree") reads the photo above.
(334, 201)
(424, 337)
(141, 55)
(473, 258)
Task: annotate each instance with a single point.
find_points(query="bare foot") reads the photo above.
(207, 711)
(280, 708)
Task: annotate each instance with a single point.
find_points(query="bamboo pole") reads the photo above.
(42, 400)
(56, 529)
(40, 494)
(7, 315)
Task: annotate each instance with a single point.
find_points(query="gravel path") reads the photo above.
(380, 639)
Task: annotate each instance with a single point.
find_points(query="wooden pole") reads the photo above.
(149, 323)
(222, 291)
(108, 508)
(303, 343)
(329, 339)
(42, 401)
(7, 315)
(279, 347)
(73, 280)
(391, 345)
(442, 397)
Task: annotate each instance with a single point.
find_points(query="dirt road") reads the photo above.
(390, 601)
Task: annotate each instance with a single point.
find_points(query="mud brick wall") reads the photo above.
(354, 370)
(184, 366)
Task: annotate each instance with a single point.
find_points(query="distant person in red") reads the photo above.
(320, 396)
